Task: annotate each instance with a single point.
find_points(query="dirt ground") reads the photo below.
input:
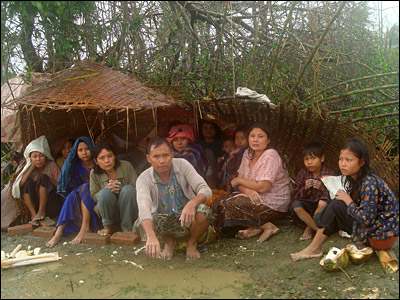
(228, 268)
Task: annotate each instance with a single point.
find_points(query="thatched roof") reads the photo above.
(90, 85)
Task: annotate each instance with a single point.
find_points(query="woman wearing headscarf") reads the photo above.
(77, 213)
(37, 182)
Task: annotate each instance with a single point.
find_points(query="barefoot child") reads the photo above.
(77, 213)
(309, 193)
(368, 209)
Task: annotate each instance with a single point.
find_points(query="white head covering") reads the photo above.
(40, 145)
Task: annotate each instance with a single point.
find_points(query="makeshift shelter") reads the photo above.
(93, 100)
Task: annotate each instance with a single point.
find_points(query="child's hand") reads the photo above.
(234, 151)
(308, 184)
(317, 184)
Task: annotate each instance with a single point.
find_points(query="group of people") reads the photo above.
(95, 190)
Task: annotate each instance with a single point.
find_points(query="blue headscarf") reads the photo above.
(70, 162)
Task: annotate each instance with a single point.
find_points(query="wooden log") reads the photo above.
(29, 260)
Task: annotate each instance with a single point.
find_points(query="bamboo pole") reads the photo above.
(127, 128)
(362, 107)
(83, 76)
(376, 117)
(384, 127)
(254, 43)
(316, 47)
(275, 57)
(367, 90)
(211, 93)
(233, 57)
(12, 255)
(29, 260)
(350, 81)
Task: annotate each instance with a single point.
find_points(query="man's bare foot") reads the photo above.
(269, 230)
(307, 253)
(191, 251)
(248, 233)
(78, 238)
(307, 234)
(169, 247)
(54, 240)
(105, 231)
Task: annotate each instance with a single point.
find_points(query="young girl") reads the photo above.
(263, 181)
(37, 182)
(368, 209)
(77, 213)
(63, 151)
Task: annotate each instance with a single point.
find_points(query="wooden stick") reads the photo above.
(29, 260)
(12, 255)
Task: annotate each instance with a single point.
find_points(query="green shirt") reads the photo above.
(125, 174)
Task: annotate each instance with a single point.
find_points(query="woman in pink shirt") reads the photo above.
(263, 182)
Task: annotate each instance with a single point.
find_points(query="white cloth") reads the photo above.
(244, 91)
(40, 145)
(333, 184)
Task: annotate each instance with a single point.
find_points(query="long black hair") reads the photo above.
(96, 151)
(360, 149)
(272, 144)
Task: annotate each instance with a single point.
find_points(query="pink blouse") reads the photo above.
(269, 167)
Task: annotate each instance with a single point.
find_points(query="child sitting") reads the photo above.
(309, 194)
(232, 163)
(366, 208)
(228, 145)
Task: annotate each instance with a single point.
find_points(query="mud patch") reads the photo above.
(116, 272)
(229, 268)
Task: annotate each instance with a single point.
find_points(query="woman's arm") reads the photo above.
(261, 186)
(367, 212)
(26, 175)
(94, 186)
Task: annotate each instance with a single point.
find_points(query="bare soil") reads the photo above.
(228, 268)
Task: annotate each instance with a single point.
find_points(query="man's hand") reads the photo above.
(153, 249)
(188, 214)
